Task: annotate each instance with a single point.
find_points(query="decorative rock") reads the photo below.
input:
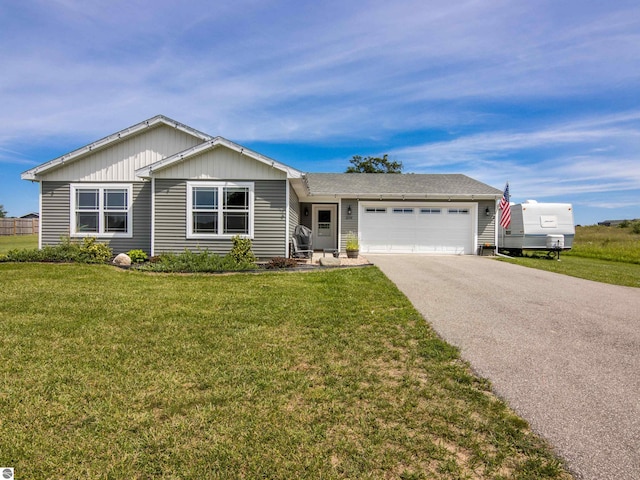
(329, 262)
(122, 260)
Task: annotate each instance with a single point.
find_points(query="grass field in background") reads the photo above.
(607, 243)
(332, 374)
(603, 254)
(12, 242)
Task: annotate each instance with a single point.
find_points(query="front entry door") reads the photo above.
(325, 226)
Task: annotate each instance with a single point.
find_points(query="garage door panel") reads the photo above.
(419, 228)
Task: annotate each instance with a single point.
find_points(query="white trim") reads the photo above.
(153, 217)
(339, 232)
(220, 186)
(287, 220)
(41, 217)
(334, 207)
(101, 187)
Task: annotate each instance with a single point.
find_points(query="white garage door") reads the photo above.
(417, 228)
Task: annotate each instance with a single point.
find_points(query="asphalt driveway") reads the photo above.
(563, 352)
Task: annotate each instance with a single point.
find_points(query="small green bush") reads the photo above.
(241, 251)
(137, 256)
(624, 224)
(94, 252)
(89, 251)
(635, 227)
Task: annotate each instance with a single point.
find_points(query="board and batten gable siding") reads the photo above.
(486, 224)
(56, 217)
(220, 163)
(119, 161)
(270, 207)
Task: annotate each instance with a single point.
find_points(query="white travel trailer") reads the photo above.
(538, 226)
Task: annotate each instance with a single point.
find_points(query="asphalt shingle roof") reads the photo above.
(410, 184)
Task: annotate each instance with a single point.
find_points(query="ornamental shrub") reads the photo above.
(89, 251)
(137, 256)
(94, 252)
(191, 262)
(241, 251)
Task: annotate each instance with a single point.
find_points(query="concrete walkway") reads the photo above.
(563, 352)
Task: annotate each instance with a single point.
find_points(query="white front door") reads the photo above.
(324, 226)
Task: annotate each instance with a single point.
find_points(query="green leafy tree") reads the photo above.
(373, 165)
(3, 212)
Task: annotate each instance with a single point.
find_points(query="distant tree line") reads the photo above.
(373, 165)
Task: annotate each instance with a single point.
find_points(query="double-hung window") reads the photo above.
(101, 210)
(219, 209)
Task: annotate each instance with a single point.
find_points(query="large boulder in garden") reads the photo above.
(329, 262)
(122, 260)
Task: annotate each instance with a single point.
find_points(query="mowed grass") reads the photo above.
(602, 254)
(120, 374)
(11, 242)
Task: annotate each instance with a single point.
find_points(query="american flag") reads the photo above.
(505, 217)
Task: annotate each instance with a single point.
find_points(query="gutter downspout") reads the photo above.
(40, 220)
(153, 216)
(287, 221)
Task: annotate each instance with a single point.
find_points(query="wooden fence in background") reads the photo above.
(19, 226)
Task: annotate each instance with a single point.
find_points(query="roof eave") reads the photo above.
(408, 196)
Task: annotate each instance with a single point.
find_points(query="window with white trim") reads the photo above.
(101, 210)
(375, 210)
(219, 209)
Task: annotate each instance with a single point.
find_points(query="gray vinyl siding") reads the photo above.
(56, 217)
(55, 214)
(486, 224)
(294, 210)
(306, 219)
(348, 223)
(270, 206)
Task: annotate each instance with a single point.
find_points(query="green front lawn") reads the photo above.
(120, 374)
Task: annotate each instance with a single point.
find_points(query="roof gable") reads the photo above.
(155, 169)
(110, 141)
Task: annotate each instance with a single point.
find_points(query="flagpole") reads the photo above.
(502, 229)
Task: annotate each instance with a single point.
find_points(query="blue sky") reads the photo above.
(544, 94)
